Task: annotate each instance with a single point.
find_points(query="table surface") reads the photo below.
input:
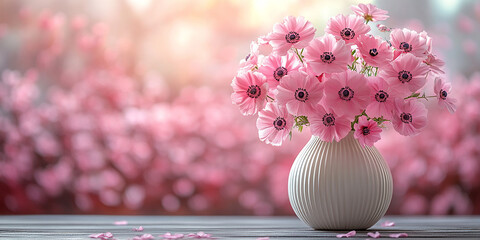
(223, 227)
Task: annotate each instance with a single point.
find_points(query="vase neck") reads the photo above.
(347, 138)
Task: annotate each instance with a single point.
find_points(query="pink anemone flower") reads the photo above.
(370, 12)
(347, 28)
(409, 117)
(442, 91)
(347, 92)
(327, 55)
(367, 132)
(406, 74)
(408, 41)
(328, 125)
(249, 92)
(275, 67)
(434, 64)
(274, 124)
(428, 41)
(300, 93)
(374, 51)
(292, 32)
(250, 61)
(381, 99)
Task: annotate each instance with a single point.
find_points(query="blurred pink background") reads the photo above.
(123, 107)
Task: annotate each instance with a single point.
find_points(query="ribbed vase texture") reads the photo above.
(339, 185)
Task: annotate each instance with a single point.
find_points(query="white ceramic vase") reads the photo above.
(339, 185)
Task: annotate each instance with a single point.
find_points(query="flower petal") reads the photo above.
(347, 235)
(398, 235)
(388, 224)
(139, 229)
(373, 235)
(120, 223)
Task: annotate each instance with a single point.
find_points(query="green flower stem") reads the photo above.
(299, 54)
(356, 119)
(417, 96)
(301, 121)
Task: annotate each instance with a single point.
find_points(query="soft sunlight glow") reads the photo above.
(448, 6)
(139, 5)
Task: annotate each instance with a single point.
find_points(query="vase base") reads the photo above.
(340, 229)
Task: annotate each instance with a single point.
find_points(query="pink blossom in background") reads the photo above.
(327, 55)
(370, 12)
(292, 32)
(101, 115)
(470, 47)
(465, 24)
(76, 143)
(249, 92)
(274, 124)
(300, 93)
(347, 28)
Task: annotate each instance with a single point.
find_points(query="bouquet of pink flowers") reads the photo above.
(346, 80)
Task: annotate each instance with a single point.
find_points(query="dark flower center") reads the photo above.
(381, 96)
(327, 57)
(279, 73)
(279, 123)
(347, 33)
(292, 37)
(443, 94)
(301, 95)
(404, 76)
(373, 52)
(405, 47)
(346, 93)
(406, 117)
(254, 91)
(328, 119)
(365, 131)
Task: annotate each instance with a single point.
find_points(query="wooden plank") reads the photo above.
(223, 227)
